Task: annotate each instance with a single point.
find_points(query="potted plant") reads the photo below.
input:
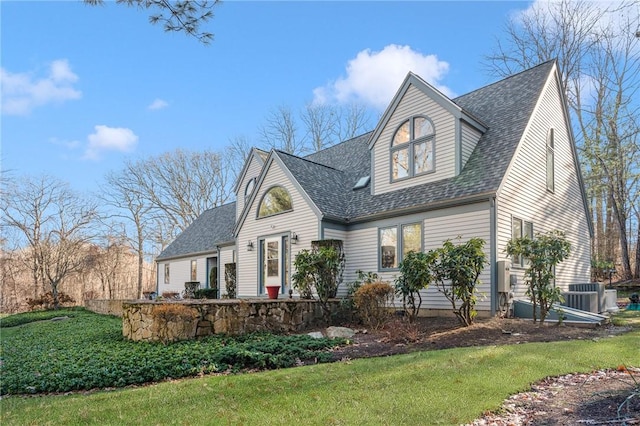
(272, 291)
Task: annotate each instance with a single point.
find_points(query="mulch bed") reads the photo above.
(608, 397)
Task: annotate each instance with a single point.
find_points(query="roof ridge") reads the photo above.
(502, 80)
(339, 143)
(307, 160)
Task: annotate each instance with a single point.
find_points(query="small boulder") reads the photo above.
(342, 332)
(316, 334)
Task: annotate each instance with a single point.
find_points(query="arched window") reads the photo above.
(275, 200)
(249, 189)
(412, 148)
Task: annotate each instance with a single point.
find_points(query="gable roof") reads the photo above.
(434, 94)
(212, 228)
(259, 155)
(502, 110)
(505, 107)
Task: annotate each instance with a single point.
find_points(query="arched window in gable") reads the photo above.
(275, 200)
(249, 189)
(412, 148)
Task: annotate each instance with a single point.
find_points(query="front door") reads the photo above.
(272, 258)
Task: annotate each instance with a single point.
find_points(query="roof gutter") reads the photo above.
(483, 196)
(196, 254)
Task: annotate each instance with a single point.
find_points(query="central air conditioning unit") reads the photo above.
(598, 288)
(583, 300)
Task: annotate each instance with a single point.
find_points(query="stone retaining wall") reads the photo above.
(105, 306)
(164, 321)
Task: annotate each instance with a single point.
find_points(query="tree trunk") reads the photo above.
(636, 272)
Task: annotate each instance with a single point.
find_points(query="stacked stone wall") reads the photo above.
(105, 306)
(181, 320)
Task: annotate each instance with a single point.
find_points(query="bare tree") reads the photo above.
(237, 153)
(122, 192)
(597, 51)
(176, 187)
(281, 131)
(175, 16)
(324, 125)
(353, 120)
(54, 223)
(321, 123)
(108, 263)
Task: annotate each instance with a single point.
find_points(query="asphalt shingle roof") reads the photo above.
(211, 228)
(506, 106)
(328, 176)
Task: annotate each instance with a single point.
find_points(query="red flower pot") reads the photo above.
(273, 292)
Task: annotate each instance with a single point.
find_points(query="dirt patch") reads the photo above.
(600, 397)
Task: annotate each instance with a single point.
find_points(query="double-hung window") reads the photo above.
(412, 148)
(520, 228)
(396, 241)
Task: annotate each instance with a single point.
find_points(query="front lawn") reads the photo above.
(435, 387)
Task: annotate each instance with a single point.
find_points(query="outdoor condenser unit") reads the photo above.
(504, 276)
(583, 300)
(597, 287)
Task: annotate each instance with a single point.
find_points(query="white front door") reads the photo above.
(272, 256)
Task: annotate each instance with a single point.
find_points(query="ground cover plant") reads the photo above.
(448, 387)
(87, 351)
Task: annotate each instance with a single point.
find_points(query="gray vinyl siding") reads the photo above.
(226, 256)
(361, 252)
(180, 272)
(253, 170)
(465, 222)
(361, 246)
(524, 194)
(302, 220)
(470, 138)
(415, 102)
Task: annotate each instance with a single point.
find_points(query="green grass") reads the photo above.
(447, 387)
(627, 318)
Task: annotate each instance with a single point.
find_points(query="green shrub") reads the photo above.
(416, 273)
(370, 301)
(206, 293)
(543, 252)
(458, 270)
(321, 270)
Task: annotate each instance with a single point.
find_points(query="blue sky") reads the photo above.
(85, 88)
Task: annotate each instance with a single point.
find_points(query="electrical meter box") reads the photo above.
(504, 276)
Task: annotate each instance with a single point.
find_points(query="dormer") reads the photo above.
(248, 177)
(422, 137)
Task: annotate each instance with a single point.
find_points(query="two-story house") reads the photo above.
(496, 163)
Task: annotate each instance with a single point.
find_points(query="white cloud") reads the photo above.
(22, 92)
(158, 104)
(374, 77)
(108, 138)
